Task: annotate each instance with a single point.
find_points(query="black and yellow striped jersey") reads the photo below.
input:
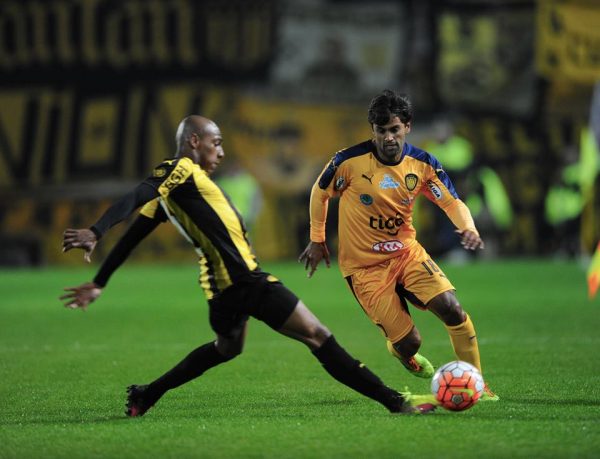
(181, 191)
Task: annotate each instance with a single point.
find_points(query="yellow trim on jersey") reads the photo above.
(221, 274)
(179, 175)
(214, 273)
(219, 203)
(149, 209)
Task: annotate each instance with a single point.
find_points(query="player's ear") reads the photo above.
(408, 126)
(194, 140)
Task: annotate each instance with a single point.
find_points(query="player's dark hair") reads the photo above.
(387, 105)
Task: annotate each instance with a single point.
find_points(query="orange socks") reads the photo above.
(464, 342)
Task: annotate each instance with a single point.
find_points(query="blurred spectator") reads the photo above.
(332, 71)
(573, 189)
(286, 174)
(243, 190)
(480, 187)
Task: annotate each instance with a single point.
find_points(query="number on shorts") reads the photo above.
(432, 268)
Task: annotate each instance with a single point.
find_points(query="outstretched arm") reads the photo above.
(461, 217)
(438, 188)
(84, 294)
(86, 239)
(316, 250)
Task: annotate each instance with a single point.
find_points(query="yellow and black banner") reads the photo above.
(485, 56)
(75, 40)
(568, 41)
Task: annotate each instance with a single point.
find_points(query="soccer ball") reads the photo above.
(457, 385)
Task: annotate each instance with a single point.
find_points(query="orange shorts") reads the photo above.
(412, 275)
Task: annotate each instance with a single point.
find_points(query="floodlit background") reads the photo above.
(506, 95)
(91, 93)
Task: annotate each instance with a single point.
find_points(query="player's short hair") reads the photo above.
(387, 105)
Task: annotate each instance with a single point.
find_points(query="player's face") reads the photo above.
(389, 138)
(209, 149)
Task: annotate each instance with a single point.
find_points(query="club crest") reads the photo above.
(411, 181)
(159, 172)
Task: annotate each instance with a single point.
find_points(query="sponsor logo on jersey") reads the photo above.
(411, 181)
(159, 172)
(407, 201)
(366, 199)
(388, 182)
(388, 224)
(435, 190)
(339, 183)
(175, 177)
(387, 246)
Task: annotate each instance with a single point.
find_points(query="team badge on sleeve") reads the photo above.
(339, 183)
(159, 172)
(411, 181)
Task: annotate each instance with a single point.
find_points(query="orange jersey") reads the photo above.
(377, 200)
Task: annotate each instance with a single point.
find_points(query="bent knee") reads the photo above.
(229, 350)
(318, 333)
(447, 308)
(230, 353)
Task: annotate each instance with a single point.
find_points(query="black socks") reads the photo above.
(192, 366)
(343, 367)
(336, 361)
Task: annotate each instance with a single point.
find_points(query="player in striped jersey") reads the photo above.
(377, 182)
(181, 190)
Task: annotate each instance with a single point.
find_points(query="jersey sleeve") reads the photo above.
(460, 216)
(164, 179)
(438, 188)
(169, 175)
(121, 209)
(138, 230)
(330, 183)
(154, 211)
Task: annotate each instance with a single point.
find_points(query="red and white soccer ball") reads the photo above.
(457, 385)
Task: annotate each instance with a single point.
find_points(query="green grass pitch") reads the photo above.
(64, 373)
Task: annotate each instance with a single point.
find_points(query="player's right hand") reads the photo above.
(312, 256)
(84, 239)
(80, 297)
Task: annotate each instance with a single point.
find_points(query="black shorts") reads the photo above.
(261, 296)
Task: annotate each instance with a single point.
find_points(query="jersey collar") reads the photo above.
(390, 163)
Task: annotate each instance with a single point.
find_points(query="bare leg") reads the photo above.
(304, 326)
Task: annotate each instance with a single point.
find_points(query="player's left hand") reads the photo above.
(470, 240)
(312, 256)
(80, 239)
(80, 297)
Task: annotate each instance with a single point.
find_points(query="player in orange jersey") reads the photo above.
(377, 182)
